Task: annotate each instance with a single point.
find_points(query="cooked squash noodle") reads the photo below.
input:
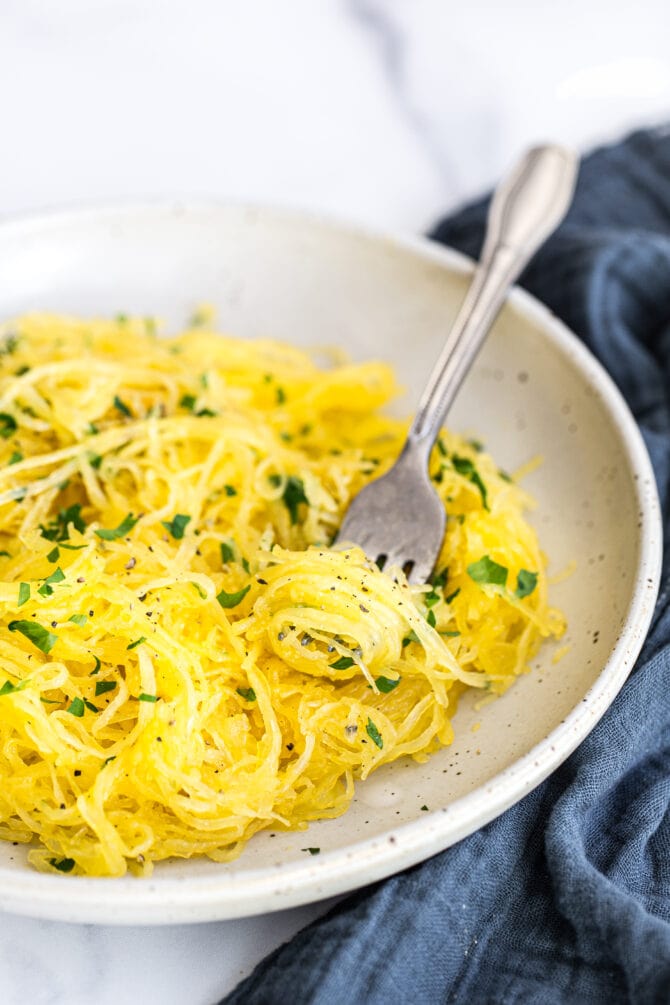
(185, 658)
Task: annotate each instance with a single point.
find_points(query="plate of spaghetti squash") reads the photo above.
(207, 707)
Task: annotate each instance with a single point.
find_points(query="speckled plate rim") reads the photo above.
(170, 900)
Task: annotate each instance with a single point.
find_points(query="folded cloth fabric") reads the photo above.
(566, 896)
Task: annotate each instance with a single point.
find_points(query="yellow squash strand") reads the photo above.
(183, 658)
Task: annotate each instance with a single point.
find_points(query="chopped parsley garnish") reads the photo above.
(121, 406)
(452, 596)
(24, 593)
(96, 668)
(147, 697)
(281, 395)
(95, 460)
(41, 638)
(374, 734)
(177, 525)
(15, 458)
(439, 579)
(430, 618)
(227, 553)
(441, 447)
(7, 425)
(91, 706)
(476, 445)
(58, 528)
(53, 555)
(312, 851)
(202, 593)
(465, 467)
(124, 527)
(230, 490)
(232, 599)
(76, 707)
(136, 643)
(487, 572)
(412, 637)
(46, 589)
(450, 635)
(432, 598)
(62, 864)
(108, 760)
(425, 808)
(293, 495)
(525, 583)
(103, 686)
(386, 685)
(78, 619)
(9, 688)
(343, 663)
(187, 401)
(247, 693)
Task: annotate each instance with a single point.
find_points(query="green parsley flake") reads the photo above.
(63, 864)
(343, 663)
(525, 583)
(374, 734)
(137, 642)
(412, 637)
(95, 460)
(124, 527)
(247, 693)
(187, 401)
(24, 593)
(103, 686)
(281, 395)
(386, 685)
(147, 697)
(96, 668)
(15, 458)
(46, 589)
(452, 596)
(232, 599)
(312, 851)
(177, 525)
(293, 496)
(91, 706)
(487, 572)
(76, 708)
(227, 553)
(58, 528)
(53, 555)
(121, 406)
(78, 619)
(230, 490)
(7, 425)
(465, 467)
(430, 618)
(9, 688)
(40, 637)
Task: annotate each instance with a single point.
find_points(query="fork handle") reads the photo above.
(526, 207)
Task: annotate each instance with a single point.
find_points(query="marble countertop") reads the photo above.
(383, 112)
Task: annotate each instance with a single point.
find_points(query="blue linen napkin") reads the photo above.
(565, 898)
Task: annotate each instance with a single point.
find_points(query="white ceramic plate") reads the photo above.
(535, 390)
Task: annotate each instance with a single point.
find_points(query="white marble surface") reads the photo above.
(381, 111)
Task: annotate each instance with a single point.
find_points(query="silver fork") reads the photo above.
(398, 519)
